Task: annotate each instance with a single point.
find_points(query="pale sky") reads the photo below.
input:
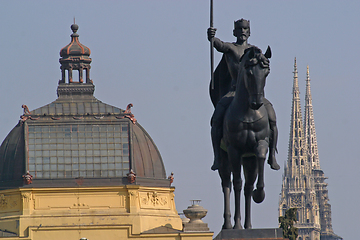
(155, 54)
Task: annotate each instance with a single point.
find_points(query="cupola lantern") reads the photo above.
(75, 56)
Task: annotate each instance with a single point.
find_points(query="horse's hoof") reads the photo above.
(215, 165)
(237, 226)
(273, 164)
(247, 226)
(258, 195)
(227, 226)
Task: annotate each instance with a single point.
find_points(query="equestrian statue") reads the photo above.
(243, 125)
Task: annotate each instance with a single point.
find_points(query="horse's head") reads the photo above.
(257, 68)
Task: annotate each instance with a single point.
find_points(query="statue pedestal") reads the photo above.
(248, 234)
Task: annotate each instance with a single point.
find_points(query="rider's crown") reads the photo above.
(241, 23)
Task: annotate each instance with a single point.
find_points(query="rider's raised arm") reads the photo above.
(219, 45)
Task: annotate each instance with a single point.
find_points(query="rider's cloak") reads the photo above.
(222, 82)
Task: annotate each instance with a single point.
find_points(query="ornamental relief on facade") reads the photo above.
(3, 201)
(26, 196)
(8, 202)
(61, 201)
(154, 200)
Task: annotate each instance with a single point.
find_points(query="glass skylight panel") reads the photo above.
(73, 150)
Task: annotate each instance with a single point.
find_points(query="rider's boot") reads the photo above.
(216, 135)
(272, 147)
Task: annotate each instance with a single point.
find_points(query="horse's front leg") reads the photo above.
(250, 173)
(227, 214)
(259, 193)
(235, 159)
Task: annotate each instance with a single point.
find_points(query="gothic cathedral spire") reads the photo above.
(309, 127)
(303, 185)
(297, 147)
(298, 190)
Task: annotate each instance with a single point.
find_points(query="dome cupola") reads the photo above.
(75, 56)
(78, 136)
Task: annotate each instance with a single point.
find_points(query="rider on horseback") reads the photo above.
(225, 77)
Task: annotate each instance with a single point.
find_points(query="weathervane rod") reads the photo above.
(211, 46)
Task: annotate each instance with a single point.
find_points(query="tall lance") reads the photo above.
(211, 46)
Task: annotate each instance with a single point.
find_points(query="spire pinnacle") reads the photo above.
(309, 126)
(296, 91)
(307, 73)
(295, 68)
(297, 147)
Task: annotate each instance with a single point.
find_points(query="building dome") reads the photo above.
(78, 137)
(74, 48)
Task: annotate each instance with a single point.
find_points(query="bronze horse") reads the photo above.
(246, 136)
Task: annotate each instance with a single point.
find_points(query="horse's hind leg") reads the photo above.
(225, 174)
(235, 159)
(250, 173)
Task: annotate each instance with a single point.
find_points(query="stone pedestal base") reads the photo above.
(196, 227)
(248, 234)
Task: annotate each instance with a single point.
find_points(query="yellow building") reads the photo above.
(79, 168)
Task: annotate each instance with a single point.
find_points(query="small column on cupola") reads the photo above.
(75, 57)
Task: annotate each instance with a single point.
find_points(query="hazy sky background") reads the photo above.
(155, 54)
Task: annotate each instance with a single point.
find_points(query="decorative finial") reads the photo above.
(74, 27)
(26, 109)
(128, 113)
(131, 176)
(27, 178)
(195, 213)
(171, 178)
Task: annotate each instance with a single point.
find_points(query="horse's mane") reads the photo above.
(257, 58)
